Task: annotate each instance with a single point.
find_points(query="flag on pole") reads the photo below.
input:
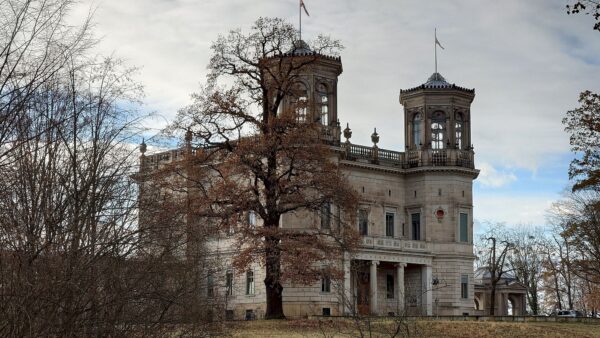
(303, 6)
(438, 43)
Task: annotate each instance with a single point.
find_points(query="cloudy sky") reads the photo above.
(527, 60)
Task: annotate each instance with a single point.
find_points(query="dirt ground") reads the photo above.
(429, 329)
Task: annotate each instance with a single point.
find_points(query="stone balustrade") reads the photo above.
(355, 152)
(409, 159)
(399, 244)
(153, 161)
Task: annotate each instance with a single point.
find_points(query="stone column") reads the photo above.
(373, 286)
(427, 293)
(348, 301)
(400, 295)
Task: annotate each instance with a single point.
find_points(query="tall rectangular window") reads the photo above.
(250, 282)
(210, 286)
(416, 226)
(464, 227)
(325, 283)
(416, 124)
(229, 283)
(230, 229)
(363, 222)
(464, 286)
(252, 218)
(326, 216)
(390, 286)
(389, 224)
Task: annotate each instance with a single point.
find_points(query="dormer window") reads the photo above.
(438, 132)
(323, 104)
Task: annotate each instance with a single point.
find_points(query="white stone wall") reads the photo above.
(240, 301)
(448, 292)
(303, 300)
(379, 192)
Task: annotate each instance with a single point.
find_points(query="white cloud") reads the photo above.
(491, 177)
(513, 209)
(527, 60)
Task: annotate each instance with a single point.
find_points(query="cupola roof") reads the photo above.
(300, 48)
(436, 80)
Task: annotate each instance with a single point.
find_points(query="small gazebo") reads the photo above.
(511, 295)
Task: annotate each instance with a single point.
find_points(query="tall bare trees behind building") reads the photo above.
(71, 263)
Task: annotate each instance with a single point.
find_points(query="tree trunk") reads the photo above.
(557, 288)
(533, 301)
(569, 293)
(493, 299)
(273, 279)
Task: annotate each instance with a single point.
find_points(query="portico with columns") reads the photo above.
(376, 284)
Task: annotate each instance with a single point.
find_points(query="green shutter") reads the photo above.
(464, 227)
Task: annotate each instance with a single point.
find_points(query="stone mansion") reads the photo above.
(415, 214)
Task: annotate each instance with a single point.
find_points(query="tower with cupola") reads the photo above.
(440, 169)
(437, 115)
(308, 82)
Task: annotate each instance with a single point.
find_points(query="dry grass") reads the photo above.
(442, 329)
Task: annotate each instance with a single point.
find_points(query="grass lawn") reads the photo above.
(384, 328)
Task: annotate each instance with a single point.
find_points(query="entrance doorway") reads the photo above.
(362, 293)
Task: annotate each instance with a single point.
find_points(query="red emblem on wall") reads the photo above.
(439, 213)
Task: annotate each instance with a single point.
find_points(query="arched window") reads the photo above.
(323, 102)
(438, 126)
(416, 126)
(458, 130)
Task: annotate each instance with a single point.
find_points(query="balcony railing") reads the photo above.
(398, 244)
(355, 152)
(410, 159)
(331, 135)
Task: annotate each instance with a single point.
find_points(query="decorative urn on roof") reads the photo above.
(347, 133)
(375, 137)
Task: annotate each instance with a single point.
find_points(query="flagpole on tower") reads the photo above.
(301, 6)
(300, 19)
(435, 47)
(436, 44)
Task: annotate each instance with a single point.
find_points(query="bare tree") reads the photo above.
(253, 155)
(525, 260)
(35, 45)
(577, 222)
(72, 260)
(493, 256)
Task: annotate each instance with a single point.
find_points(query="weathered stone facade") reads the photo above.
(416, 212)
